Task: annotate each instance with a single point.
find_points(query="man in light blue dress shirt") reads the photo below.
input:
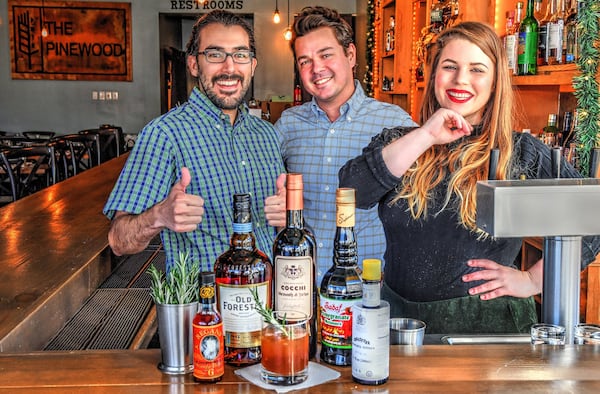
(320, 136)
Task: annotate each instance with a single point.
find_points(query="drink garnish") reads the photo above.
(267, 313)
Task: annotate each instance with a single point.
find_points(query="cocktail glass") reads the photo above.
(284, 347)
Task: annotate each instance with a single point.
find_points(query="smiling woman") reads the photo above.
(440, 268)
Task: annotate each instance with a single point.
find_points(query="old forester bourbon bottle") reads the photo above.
(294, 256)
(237, 270)
(341, 286)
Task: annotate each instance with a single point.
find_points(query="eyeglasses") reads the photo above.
(219, 56)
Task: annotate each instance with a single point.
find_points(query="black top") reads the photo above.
(426, 258)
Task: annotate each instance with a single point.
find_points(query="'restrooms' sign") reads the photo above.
(70, 40)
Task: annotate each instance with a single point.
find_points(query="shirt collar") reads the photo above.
(349, 108)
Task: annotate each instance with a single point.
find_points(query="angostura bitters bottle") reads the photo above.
(237, 270)
(341, 286)
(294, 256)
(209, 363)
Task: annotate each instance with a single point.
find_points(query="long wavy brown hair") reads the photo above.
(466, 162)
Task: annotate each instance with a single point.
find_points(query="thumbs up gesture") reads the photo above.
(181, 212)
(275, 204)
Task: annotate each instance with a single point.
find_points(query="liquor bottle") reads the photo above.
(392, 33)
(555, 32)
(238, 269)
(341, 286)
(510, 41)
(437, 16)
(297, 95)
(571, 44)
(294, 257)
(371, 330)
(542, 53)
(528, 43)
(209, 363)
(567, 128)
(551, 130)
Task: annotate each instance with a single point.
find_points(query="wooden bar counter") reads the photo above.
(429, 368)
(53, 253)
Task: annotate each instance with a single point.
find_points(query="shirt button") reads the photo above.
(349, 118)
(320, 244)
(329, 160)
(243, 163)
(331, 131)
(324, 216)
(326, 188)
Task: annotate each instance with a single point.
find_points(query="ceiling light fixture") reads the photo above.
(276, 16)
(44, 29)
(287, 34)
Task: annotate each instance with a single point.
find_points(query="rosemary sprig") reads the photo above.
(179, 285)
(266, 312)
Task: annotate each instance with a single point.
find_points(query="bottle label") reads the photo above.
(209, 360)
(371, 342)
(294, 284)
(511, 44)
(527, 48)
(336, 322)
(241, 322)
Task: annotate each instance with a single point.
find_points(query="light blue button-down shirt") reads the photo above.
(317, 148)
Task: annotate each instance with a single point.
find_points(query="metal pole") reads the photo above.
(560, 296)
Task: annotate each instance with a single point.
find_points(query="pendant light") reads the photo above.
(287, 34)
(276, 16)
(44, 31)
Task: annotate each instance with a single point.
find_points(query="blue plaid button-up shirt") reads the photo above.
(222, 159)
(318, 148)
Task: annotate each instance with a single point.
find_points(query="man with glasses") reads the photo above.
(186, 164)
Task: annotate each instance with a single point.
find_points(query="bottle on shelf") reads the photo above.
(551, 130)
(371, 329)
(511, 41)
(241, 267)
(528, 43)
(209, 363)
(567, 128)
(294, 257)
(341, 285)
(556, 27)
(571, 33)
(392, 33)
(542, 52)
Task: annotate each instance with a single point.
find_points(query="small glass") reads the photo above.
(284, 348)
(587, 334)
(547, 334)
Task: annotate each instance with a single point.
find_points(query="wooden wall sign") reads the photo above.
(71, 40)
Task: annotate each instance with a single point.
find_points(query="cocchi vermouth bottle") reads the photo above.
(294, 256)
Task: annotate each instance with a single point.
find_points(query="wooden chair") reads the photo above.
(28, 169)
(84, 150)
(110, 139)
(38, 136)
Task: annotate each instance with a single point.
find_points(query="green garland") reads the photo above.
(587, 130)
(370, 52)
